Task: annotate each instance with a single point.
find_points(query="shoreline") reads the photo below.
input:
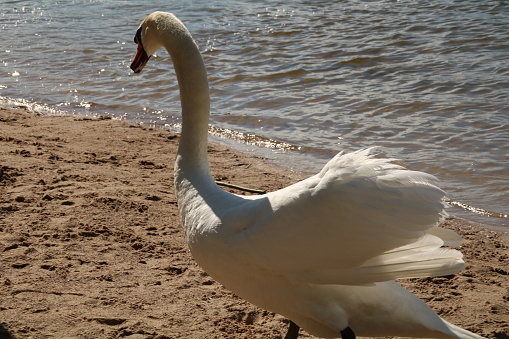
(92, 246)
(242, 143)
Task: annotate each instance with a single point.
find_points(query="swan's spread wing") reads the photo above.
(359, 220)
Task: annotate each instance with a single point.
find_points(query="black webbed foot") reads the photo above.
(293, 331)
(347, 333)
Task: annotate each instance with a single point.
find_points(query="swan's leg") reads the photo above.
(293, 331)
(347, 333)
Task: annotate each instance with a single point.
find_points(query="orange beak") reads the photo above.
(140, 59)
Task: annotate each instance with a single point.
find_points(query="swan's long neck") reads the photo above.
(194, 97)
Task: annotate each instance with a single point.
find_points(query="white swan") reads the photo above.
(323, 252)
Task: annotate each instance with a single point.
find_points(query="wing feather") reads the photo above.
(359, 220)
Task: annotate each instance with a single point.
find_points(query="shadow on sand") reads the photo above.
(4, 333)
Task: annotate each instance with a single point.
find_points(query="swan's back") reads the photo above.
(355, 210)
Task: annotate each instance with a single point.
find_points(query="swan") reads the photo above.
(324, 252)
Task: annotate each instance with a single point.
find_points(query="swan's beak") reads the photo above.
(140, 59)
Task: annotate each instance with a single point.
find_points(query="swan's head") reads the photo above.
(155, 30)
(148, 38)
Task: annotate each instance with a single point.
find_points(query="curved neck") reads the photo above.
(194, 98)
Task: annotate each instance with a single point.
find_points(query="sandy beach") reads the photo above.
(91, 244)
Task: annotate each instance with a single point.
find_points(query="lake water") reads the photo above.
(295, 82)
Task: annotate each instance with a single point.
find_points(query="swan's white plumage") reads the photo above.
(346, 218)
(323, 252)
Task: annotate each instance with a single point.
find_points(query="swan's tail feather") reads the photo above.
(420, 259)
(462, 333)
(423, 258)
(414, 264)
(449, 237)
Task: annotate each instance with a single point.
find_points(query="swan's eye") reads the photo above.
(137, 37)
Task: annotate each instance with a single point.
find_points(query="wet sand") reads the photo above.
(91, 244)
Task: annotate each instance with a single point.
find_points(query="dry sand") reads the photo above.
(91, 244)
